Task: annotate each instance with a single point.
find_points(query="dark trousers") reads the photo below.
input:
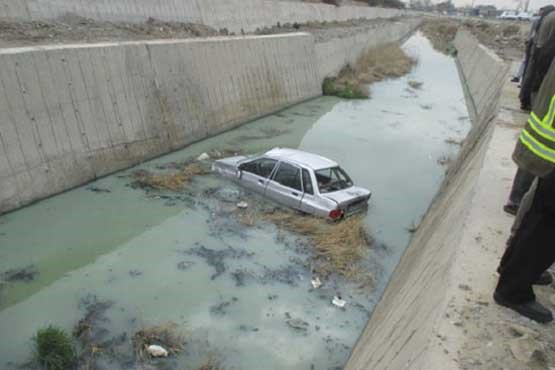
(521, 183)
(532, 248)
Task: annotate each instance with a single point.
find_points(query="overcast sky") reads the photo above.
(504, 4)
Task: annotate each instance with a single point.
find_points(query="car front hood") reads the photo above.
(349, 195)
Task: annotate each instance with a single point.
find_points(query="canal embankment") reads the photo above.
(437, 311)
(73, 113)
(233, 15)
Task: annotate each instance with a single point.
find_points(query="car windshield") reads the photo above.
(332, 179)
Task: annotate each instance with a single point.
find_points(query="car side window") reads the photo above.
(262, 167)
(307, 182)
(288, 175)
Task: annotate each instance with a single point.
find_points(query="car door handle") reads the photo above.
(261, 182)
(295, 193)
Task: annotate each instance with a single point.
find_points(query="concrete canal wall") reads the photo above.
(235, 15)
(72, 113)
(403, 330)
(333, 54)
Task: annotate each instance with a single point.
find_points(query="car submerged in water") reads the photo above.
(304, 181)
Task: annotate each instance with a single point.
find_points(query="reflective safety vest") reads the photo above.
(539, 135)
(538, 138)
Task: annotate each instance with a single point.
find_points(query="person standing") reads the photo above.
(530, 249)
(541, 54)
(541, 48)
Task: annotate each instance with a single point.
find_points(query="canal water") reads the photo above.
(154, 257)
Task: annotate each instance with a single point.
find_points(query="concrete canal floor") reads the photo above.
(234, 290)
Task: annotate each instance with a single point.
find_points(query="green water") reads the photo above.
(137, 249)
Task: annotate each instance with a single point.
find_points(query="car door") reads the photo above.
(255, 174)
(285, 186)
(310, 202)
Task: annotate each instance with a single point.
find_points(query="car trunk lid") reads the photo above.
(351, 200)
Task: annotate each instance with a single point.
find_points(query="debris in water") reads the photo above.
(203, 157)
(165, 335)
(454, 141)
(316, 283)
(444, 160)
(174, 181)
(135, 273)
(184, 265)
(338, 301)
(211, 364)
(97, 189)
(221, 308)
(242, 205)
(413, 227)
(156, 351)
(24, 274)
(426, 106)
(91, 331)
(417, 85)
(216, 258)
(337, 247)
(298, 324)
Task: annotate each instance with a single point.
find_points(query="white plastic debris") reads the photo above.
(203, 157)
(242, 205)
(316, 283)
(156, 351)
(339, 302)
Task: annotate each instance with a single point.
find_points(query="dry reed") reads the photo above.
(174, 181)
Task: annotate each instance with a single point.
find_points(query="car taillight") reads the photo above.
(335, 214)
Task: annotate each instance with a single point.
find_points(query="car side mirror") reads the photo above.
(239, 173)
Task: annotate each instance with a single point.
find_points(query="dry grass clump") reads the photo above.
(174, 181)
(375, 65)
(385, 62)
(440, 32)
(165, 335)
(339, 247)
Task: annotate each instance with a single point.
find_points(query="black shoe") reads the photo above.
(511, 209)
(532, 310)
(544, 279)
(515, 79)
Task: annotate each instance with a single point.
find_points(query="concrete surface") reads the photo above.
(404, 330)
(332, 55)
(235, 15)
(72, 113)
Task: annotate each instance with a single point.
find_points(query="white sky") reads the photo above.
(504, 4)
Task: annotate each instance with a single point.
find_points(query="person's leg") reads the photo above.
(520, 71)
(529, 254)
(521, 184)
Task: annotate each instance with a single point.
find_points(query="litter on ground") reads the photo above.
(338, 301)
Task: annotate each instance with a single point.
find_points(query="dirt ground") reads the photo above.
(76, 29)
(506, 38)
(73, 29)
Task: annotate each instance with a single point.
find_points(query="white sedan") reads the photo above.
(304, 181)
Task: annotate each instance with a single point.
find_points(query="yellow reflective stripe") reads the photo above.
(536, 147)
(540, 130)
(548, 119)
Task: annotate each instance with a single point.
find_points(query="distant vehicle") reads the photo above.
(304, 181)
(515, 16)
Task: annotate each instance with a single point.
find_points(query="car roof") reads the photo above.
(310, 160)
